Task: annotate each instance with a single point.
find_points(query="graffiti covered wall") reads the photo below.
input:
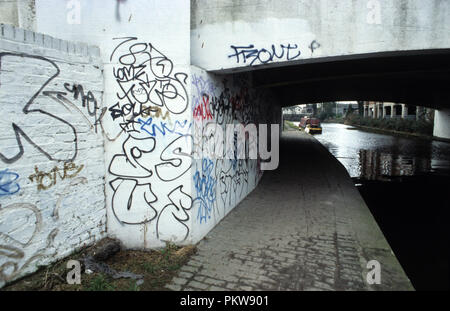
(51, 150)
(149, 148)
(221, 182)
(155, 191)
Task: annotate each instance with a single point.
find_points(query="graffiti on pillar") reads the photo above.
(221, 182)
(150, 102)
(205, 187)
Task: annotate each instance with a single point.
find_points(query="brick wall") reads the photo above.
(52, 166)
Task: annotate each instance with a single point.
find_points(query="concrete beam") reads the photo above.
(417, 79)
(276, 33)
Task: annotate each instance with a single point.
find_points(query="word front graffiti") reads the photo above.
(8, 184)
(156, 152)
(263, 56)
(47, 180)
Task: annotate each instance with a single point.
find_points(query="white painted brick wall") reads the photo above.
(39, 226)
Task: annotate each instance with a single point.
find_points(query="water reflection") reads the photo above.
(372, 156)
(383, 166)
(412, 211)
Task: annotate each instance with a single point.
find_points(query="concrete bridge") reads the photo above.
(122, 107)
(317, 51)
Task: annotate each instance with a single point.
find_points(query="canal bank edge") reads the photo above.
(393, 132)
(372, 242)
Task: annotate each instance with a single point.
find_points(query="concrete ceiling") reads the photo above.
(414, 77)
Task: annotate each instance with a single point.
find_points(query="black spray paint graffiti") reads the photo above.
(181, 203)
(232, 177)
(223, 182)
(77, 90)
(132, 168)
(314, 46)
(36, 108)
(154, 151)
(133, 195)
(225, 108)
(175, 159)
(263, 56)
(32, 109)
(145, 77)
(88, 101)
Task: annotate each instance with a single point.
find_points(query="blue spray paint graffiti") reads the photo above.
(205, 186)
(8, 185)
(179, 128)
(263, 56)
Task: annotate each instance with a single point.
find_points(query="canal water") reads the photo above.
(406, 185)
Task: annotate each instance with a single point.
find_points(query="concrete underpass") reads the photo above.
(305, 227)
(130, 143)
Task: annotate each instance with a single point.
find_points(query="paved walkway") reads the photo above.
(305, 227)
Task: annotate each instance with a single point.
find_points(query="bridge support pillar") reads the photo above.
(442, 123)
(404, 111)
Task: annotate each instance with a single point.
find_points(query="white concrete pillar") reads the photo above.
(442, 123)
(404, 111)
(128, 212)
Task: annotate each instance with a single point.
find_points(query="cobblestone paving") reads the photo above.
(305, 227)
